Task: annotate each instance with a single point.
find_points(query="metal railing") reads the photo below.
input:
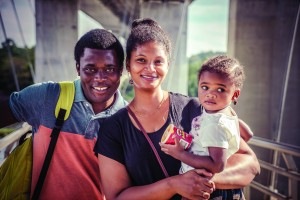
(289, 170)
(11, 138)
(288, 153)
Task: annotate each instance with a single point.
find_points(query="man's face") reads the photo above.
(100, 77)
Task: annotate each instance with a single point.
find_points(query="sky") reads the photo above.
(207, 24)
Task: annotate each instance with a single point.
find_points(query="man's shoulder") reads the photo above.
(37, 90)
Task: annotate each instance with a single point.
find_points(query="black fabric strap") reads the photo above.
(149, 141)
(54, 136)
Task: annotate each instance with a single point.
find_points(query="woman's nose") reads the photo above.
(150, 66)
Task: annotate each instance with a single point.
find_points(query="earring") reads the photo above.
(130, 79)
(234, 102)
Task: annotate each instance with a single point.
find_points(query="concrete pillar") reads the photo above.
(172, 16)
(56, 35)
(260, 36)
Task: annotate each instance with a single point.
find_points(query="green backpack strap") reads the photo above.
(66, 98)
(62, 112)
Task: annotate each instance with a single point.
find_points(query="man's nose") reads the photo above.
(100, 75)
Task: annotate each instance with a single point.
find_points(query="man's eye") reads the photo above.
(220, 90)
(204, 87)
(89, 70)
(111, 70)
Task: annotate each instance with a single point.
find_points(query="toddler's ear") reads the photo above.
(236, 94)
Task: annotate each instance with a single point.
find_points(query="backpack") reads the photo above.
(15, 172)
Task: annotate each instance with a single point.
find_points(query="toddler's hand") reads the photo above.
(172, 150)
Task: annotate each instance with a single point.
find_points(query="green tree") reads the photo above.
(22, 67)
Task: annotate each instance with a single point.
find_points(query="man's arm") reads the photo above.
(7, 117)
(240, 169)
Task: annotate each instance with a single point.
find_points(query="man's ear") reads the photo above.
(78, 69)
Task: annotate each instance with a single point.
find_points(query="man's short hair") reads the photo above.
(99, 39)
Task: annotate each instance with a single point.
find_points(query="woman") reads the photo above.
(128, 166)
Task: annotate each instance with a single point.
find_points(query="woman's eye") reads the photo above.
(141, 60)
(159, 62)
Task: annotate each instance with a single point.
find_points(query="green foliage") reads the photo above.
(127, 90)
(5, 131)
(21, 58)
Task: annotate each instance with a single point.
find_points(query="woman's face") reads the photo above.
(148, 65)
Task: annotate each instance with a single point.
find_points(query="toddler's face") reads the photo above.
(215, 92)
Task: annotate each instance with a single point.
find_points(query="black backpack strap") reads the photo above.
(54, 136)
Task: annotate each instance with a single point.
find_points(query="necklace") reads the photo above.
(156, 115)
(161, 102)
(157, 108)
(143, 114)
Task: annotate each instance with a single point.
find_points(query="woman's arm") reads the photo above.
(214, 162)
(116, 184)
(245, 130)
(240, 169)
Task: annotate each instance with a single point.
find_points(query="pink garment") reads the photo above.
(72, 174)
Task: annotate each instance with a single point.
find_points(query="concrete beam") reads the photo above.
(172, 16)
(56, 35)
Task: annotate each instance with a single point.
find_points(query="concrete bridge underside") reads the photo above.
(260, 35)
(58, 32)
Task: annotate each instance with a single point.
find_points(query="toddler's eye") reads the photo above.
(204, 87)
(220, 90)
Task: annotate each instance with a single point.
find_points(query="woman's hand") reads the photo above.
(194, 184)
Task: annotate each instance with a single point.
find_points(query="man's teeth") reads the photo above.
(100, 88)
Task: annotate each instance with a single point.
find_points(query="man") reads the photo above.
(73, 171)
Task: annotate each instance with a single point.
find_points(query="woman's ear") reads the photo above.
(127, 66)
